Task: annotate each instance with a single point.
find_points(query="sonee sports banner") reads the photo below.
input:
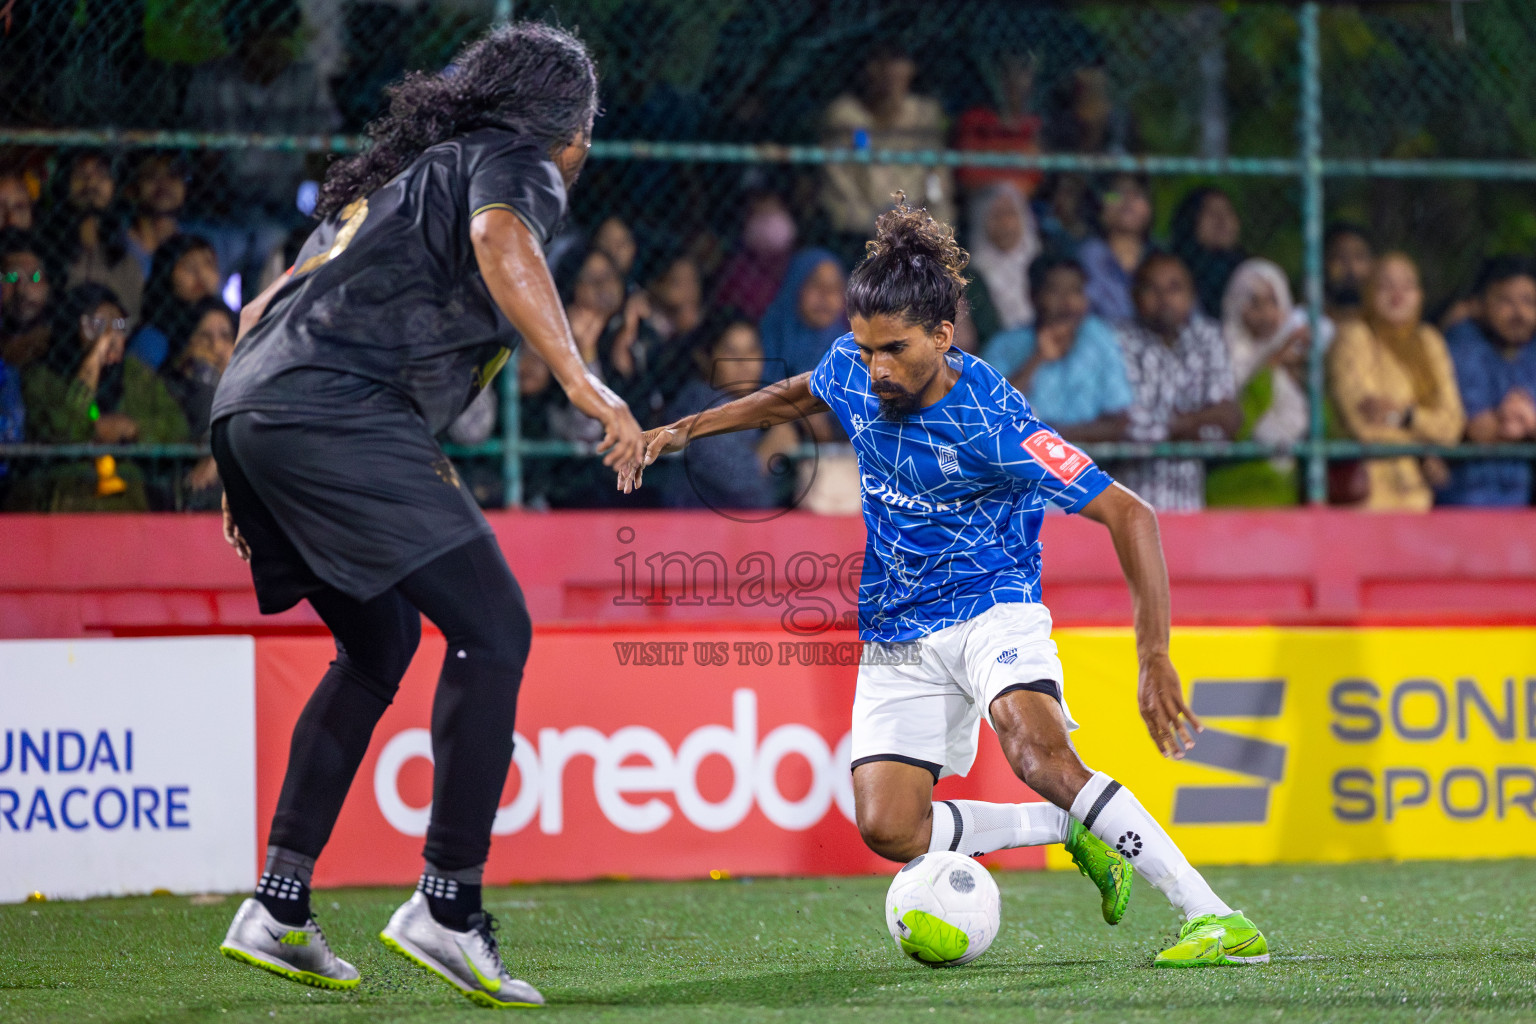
(1327, 744)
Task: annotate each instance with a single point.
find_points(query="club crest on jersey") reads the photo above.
(1009, 656)
(949, 462)
(858, 423)
(1059, 458)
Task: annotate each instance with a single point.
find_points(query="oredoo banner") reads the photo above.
(653, 754)
(126, 766)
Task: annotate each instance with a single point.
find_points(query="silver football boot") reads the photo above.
(298, 954)
(469, 961)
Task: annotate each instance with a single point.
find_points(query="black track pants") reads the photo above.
(470, 594)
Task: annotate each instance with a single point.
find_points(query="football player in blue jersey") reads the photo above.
(956, 472)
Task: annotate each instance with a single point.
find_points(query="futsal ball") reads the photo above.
(942, 909)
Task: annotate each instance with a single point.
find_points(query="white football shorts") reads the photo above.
(922, 701)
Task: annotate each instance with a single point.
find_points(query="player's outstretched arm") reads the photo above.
(783, 402)
(1133, 526)
(514, 270)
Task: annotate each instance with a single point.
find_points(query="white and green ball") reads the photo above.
(942, 909)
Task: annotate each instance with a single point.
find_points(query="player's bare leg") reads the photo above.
(898, 819)
(893, 804)
(1033, 732)
(1032, 729)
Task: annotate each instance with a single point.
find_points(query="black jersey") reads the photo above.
(385, 303)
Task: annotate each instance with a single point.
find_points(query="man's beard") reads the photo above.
(896, 402)
(897, 406)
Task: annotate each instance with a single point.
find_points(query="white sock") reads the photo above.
(974, 828)
(1112, 812)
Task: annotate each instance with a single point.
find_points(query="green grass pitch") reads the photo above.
(1365, 942)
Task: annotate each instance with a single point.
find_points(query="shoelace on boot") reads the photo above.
(319, 933)
(1196, 922)
(486, 927)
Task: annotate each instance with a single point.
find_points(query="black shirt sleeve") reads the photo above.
(514, 175)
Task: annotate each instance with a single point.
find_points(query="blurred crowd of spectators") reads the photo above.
(116, 313)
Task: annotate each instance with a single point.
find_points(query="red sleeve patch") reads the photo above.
(1059, 458)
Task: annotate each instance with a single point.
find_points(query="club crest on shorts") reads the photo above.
(949, 461)
(1009, 656)
(1059, 458)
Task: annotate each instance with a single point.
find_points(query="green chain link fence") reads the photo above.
(1418, 120)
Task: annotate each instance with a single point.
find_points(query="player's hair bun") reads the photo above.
(914, 233)
(913, 268)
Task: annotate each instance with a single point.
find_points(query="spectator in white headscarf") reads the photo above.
(1004, 240)
(1267, 340)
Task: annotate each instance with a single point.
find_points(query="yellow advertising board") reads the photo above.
(1325, 744)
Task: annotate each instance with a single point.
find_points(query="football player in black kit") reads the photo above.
(426, 270)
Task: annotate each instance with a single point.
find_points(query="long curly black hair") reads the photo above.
(913, 269)
(532, 78)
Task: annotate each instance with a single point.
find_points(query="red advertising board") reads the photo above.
(657, 753)
(173, 575)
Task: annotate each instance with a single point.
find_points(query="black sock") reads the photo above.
(453, 897)
(284, 886)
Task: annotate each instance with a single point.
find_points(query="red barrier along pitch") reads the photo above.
(105, 575)
(638, 754)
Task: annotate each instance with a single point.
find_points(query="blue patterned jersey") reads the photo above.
(953, 495)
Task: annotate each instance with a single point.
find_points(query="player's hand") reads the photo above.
(1160, 697)
(232, 534)
(657, 442)
(665, 440)
(621, 443)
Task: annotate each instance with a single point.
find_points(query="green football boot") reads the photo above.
(1212, 941)
(1110, 871)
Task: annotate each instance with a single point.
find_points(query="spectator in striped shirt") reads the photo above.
(1181, 377)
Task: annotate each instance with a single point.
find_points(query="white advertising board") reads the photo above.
(126, 766)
